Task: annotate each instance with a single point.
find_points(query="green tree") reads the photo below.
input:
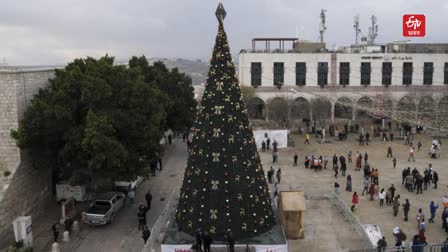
(182, 105)
(96, 119)
(224, 188)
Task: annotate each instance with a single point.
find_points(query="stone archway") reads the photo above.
(300, 109)
(385, 106)
(321, 109)
(256, 108)
(442, 114)
(363, 107)
(343, 108)
(278, 110)
(406, 109)
(426, 111)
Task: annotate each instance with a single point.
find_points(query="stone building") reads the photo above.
(404, 82)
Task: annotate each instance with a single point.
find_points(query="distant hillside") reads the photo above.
(196, 69)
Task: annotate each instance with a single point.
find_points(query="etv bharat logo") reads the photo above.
(414, 25)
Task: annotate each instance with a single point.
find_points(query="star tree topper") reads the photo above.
(220, 12)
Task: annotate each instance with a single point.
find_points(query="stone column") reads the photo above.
(267, 113)
(332, 112)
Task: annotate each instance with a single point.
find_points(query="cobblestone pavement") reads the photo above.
(122, 235)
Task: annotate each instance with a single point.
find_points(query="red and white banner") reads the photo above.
(271, 248)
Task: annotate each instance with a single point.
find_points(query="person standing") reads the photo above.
(153, 166)
(435, 178)
(336, 171)
(348, 186)
(382, 196)
(419, 145)
(382, 244)
(432, 209)
(372, 191)
(198, 235)
(335, 161)
(419, 180)
(268, 143)
(325, 162)
(207, 242)
(420, 216)
(55, 229)
(263, 146)
(389, 151)
(366, 186)
(274, 146)
(355, 199)
(148, 198)
(394, 162)
(406, 207)
(366, 157)
(279, 175)
(131, 196)
(141, 218)
(349, 155)
(146, 234)
(296, 157)
(230, 242)
(271, 175)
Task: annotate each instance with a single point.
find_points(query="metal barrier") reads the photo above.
(354, 220)
(162, 223)
(419, 248)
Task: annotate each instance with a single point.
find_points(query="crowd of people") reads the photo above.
(413, 180)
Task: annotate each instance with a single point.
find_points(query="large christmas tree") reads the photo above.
(224, 188)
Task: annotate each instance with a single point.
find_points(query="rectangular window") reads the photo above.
(279, 73)
(428, 70)
(365, 73)
(255, 74)
(445, 77)
(407, 73)
(344, 73)
(322, 73)
(387, 73)
(300, 73)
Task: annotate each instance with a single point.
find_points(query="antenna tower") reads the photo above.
(373, 31)
(322, 26)
(357, 29)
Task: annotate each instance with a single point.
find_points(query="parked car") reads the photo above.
(104, 209)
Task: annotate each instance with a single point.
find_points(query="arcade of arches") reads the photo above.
(424, 110)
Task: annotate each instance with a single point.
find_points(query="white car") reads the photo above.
(104, 209)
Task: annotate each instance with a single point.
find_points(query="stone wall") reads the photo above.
(27, 190)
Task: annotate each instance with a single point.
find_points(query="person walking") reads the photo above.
(355, 199)
(366, 157)
(325, 162)
(382, 196)
(348, 186)
(148, 198)
(406, 207)
(349, 155)
(396, 205)
(279, 175)
(411, 154)
(432, 209)
(389, 151)
(146, 234)
(420, 216)
(307, 139)
(394, 162)
(296, 157)
(336, 171)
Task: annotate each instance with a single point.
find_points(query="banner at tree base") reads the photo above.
(258, 248)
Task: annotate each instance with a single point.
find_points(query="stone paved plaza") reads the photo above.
(369, 211)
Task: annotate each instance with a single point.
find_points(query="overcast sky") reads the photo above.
(42, 32)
